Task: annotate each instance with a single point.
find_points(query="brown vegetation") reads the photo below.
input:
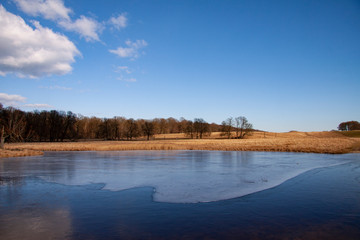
(353, 134)
(308, 142)
(18, 152)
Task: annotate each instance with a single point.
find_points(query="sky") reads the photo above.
(285, 65)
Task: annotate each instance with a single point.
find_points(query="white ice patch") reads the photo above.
(183, 176)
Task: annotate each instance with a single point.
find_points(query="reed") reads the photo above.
(15, 152)
(313, 142)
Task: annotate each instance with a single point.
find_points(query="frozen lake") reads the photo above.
(142, 194)
(176, 176)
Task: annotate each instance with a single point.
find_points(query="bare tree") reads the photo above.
(201, 127)
(43, 126)
(189, 129)
(226, 127)
(172, 124)
(68, 126)
(121, 121)
(182, 125)
(14, 124)
(2, 138)
(2, 130)
(163, 126)
(131, 129)
(148, 128)
(30, 130)
(243, 127)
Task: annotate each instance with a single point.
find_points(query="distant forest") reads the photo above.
(57, 126)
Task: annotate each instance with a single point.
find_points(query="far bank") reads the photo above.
(307, 142)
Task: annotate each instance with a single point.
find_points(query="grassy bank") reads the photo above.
(18, 152)
(314, 142)
(354, 133)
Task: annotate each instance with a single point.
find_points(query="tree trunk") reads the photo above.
(2, 138)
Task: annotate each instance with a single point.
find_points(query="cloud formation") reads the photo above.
(126, 78)
(123, 69)
(37, 105)
(32, 52)
(49, 9)
(130, 80)
(17, 100)
(56, 87)
(11, 100)
(55, 10)
(119, 22)
(132, 49)
(87, 28)
(122, 78)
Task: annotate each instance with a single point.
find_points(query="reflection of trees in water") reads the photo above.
(36, 223)
(236, 159)
(4, 181)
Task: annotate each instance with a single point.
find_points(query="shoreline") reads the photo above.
(305, 145)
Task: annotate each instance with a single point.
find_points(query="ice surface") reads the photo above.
(176, 176)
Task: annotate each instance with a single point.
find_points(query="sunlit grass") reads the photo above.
(308, 142)
(19, 152)
(355, 133)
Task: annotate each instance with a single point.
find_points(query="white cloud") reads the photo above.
(88, 28)
(37, 105)
(123, 69)
(11, 100)
(56, 87)
(121, 78)
(32, 52)
(132, 49)
(16, 100)
(119, 22)
(131, 80)
(49, 9)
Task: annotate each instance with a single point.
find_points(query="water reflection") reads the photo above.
(6, 181)
(177, 176)
(36, 224)
(320, 204)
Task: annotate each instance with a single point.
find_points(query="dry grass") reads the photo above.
(22, 152)
(314, 142)
(354, 133)
(257, 135)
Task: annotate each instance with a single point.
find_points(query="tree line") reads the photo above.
(349, 126)
(57, 126)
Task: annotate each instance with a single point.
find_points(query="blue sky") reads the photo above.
(285, 65)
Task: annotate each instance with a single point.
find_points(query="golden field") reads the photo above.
(308, 142)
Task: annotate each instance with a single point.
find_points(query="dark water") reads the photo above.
(323, 203)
